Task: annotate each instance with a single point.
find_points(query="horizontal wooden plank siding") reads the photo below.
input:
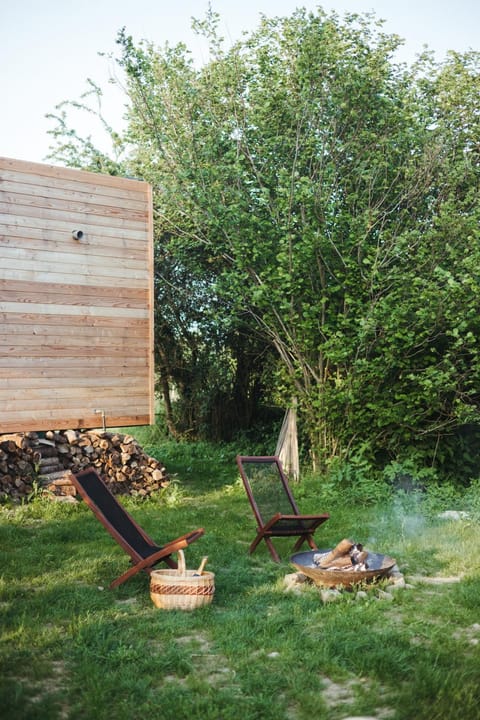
(76, 315)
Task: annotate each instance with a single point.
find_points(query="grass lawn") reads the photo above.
(72, 649)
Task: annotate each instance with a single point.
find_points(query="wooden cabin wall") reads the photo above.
(76, 315)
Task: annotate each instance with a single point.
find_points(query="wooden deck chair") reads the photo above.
(144, 553)
(273, 504)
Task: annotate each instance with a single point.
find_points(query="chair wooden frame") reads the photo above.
(279, 525)
(143, 551)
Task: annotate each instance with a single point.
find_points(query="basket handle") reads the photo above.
(201, 567)
(182, 568)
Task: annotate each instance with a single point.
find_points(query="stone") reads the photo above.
(294, 582)
(453, 515)
(330, 595)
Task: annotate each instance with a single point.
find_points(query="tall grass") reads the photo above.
(72, 649)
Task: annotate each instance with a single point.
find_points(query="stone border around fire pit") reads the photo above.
(297, 582)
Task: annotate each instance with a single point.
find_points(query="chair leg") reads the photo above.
(273, 552)
(148, 562)
(255, 543)
(121, 578)
(305, 538)
(270, 546)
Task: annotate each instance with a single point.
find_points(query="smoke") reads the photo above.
(400, 520)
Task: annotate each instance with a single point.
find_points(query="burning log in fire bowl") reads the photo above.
(346, 565)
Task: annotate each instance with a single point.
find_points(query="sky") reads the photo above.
(48, 48)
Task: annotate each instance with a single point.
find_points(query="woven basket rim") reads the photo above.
(177, 578)
(182, 589)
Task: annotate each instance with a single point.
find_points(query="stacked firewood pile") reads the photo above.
(30, 462)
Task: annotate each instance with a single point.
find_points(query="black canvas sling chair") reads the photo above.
(273, 504)
(144, 553)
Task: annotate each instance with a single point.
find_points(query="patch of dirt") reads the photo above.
(52, 685)
(436, 580)
(471, 634)
(336, 694)
(128, 602)
(210, 666)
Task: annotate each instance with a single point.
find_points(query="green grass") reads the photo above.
(72, 649)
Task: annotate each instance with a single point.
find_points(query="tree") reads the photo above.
(320, 197)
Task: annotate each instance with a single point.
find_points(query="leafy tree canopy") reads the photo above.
(317, 228)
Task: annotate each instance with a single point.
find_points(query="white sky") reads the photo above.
(48, 48)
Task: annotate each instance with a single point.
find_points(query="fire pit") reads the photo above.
(346, 565)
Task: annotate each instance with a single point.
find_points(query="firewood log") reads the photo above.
(343, 548)
(118, 458)
(342, 561)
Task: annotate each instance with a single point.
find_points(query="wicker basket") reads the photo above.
(181, 589)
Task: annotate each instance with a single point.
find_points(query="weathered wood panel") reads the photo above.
(76, 316)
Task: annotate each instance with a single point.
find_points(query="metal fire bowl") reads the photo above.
(378, 566)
